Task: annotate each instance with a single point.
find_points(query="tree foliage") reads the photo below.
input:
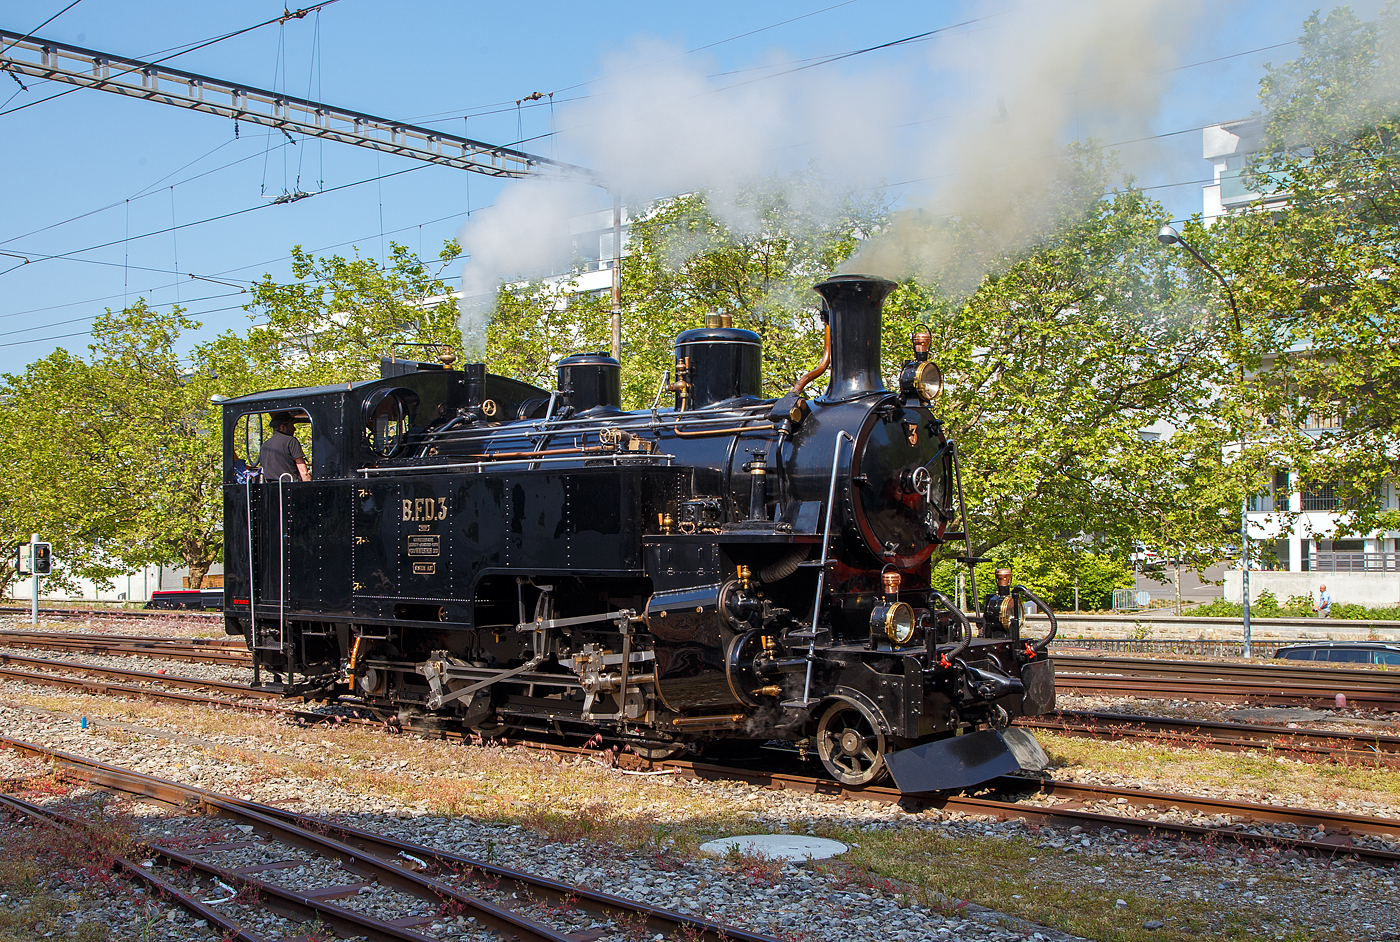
(116, 457)
(118, 453)
(333, 323)
(754, 254)
(1316, 277)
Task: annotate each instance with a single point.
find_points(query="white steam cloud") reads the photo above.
(977, 124)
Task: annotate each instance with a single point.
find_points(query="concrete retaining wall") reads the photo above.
(1347, 588)
(1157, 625)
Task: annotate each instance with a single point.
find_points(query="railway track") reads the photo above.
(1206, 681)
(1359, 747)
(1071, 798)
(121, 614)
(1245, 825)
(1359, 694)
(1369, 748)
(1216, 682)
(1155, 667)
(196, 650)
(423, 881)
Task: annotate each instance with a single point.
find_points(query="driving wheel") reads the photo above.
(851, 744)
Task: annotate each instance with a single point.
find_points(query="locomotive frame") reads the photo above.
(476, 550)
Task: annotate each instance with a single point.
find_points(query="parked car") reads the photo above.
(1344, 652)
(1144, 558)
(187, 599)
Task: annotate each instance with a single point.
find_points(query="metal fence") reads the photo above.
(1353, 562)
(1125, 600)
(1200, 648)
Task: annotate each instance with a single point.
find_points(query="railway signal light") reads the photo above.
(41, 558)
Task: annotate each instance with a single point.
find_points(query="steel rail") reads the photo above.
(380, 855)
(1066, 816)
(236, 643)
(347, 921)
(1222, 670)
(230, 657)
(107, 689)
(1358, 747)
(170, 680)
(1335, 822)
(119, 613)
(1270, 693)
(232, 930)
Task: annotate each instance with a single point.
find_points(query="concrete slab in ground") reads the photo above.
(1296, 715)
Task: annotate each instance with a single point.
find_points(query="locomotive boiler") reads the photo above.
(476, 550)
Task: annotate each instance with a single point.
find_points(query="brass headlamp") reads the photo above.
(895, 620)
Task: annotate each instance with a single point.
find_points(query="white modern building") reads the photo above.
(135, 587)
(1293, 521)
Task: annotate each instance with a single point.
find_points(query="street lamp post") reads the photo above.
(1168, 235)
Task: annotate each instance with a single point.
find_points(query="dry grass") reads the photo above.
(1016, 877)
(1264, 775)
(564, 800)
(52, 880)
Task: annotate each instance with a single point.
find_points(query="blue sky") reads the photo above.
(131, 167)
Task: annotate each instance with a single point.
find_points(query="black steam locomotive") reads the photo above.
(477, 550)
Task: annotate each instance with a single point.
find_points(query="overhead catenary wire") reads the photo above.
(44, 257)
(141, 194)
(22, 87)
(478, 110)
(88, 333)
(88, 317)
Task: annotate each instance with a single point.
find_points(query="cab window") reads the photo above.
(387, 426)
(253, 430)
(388, 414)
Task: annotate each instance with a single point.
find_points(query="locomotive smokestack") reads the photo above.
(854, 302)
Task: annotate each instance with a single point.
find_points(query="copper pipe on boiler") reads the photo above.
(584, 450)
(821, 366)
(766, 426)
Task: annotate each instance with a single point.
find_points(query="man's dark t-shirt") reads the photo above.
(279, 455)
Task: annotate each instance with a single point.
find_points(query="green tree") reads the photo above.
(1315, 277)
(1056, 365)
(122, 465)
(340, 315)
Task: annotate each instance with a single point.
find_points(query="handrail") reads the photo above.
(623, 457)
(1040, 646)
(252, 580)
(821, 573)
(282, 479)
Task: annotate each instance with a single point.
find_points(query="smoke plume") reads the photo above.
(973, 126)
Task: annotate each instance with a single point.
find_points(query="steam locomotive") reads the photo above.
(477, 550)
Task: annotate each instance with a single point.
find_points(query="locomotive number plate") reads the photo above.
(424, 569)
(423, 508)
(424, 544)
